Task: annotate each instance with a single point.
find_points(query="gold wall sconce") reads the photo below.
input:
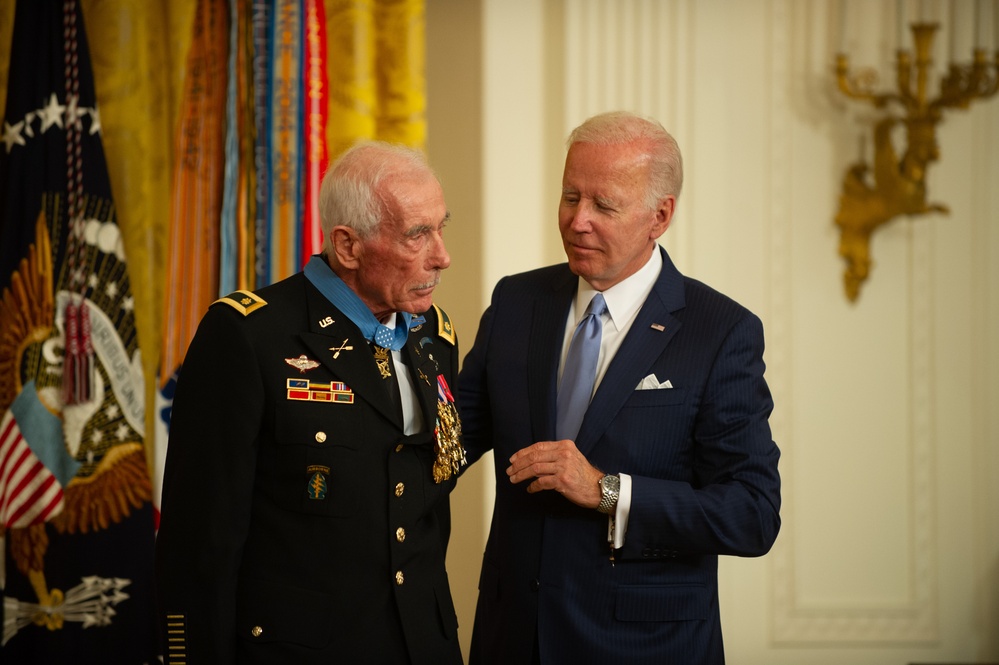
(896, 187)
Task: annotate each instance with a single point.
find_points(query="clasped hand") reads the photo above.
(559, 466)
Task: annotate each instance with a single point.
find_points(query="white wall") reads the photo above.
(889, 551)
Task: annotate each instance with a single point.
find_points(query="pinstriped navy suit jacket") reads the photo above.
(701, 456)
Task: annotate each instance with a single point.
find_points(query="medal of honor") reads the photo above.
(382, 360)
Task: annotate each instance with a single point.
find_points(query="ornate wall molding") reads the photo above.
(631, 55)
(797, 621)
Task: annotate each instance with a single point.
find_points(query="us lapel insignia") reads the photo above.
(658, 326)
(304, 390)
(318, 485)
(302, 363)
(450, 453)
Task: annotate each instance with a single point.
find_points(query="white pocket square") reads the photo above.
(652, 383)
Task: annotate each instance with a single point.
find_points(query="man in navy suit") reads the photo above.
(604, 544)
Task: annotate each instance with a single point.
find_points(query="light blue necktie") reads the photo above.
(580, 371)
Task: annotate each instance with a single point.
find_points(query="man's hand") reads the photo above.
(559, 466)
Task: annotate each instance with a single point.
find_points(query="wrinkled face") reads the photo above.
(400, 264)
(608, 231)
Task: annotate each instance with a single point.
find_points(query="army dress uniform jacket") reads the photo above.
(299, 523)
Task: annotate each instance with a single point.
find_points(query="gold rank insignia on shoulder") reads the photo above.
(242, 301)
(444, 328)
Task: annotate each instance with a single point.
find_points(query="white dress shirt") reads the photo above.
(412, 416)
(624, 299)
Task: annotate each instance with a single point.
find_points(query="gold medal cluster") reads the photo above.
(450, 452)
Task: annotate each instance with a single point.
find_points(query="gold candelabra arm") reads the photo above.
(922, 38)
(952, 86)
(896, 185)
(966, 83)
(984, 83)
(860, 85)
(903, 77)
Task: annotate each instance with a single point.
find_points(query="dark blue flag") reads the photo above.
(76, 519)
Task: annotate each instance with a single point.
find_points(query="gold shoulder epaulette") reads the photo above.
(444, 328)
(242, 301)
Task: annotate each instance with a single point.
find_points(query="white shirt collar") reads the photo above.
(625, 298)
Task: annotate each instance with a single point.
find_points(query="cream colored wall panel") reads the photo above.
(985, 383)
(630, 55)
(967, 248)
(857, 561)
(517, 213)
(730, 140)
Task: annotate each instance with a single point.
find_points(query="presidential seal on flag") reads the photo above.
(75, 493)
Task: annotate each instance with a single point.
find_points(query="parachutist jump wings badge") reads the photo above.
(302, 363)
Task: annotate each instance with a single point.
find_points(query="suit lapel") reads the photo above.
(643, 344)
(338, 344)
(544, 352)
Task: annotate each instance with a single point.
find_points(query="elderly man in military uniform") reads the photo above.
(314, 442)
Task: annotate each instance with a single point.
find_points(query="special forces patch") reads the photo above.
(318, 484)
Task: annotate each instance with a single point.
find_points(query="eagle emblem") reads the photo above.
(93, 467)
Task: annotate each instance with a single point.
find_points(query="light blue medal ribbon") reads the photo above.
(340, 295)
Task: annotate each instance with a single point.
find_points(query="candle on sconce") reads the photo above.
(952, 33)
(995, 25)
(900, 25)
(842, 26)
(924, 11)
(979, 24)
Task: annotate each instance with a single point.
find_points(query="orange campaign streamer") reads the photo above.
(316, 115)
(192, 271)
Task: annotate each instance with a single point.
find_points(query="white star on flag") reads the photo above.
(51, 113)
(12, 134)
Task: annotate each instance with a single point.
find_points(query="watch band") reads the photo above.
(610, 490)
